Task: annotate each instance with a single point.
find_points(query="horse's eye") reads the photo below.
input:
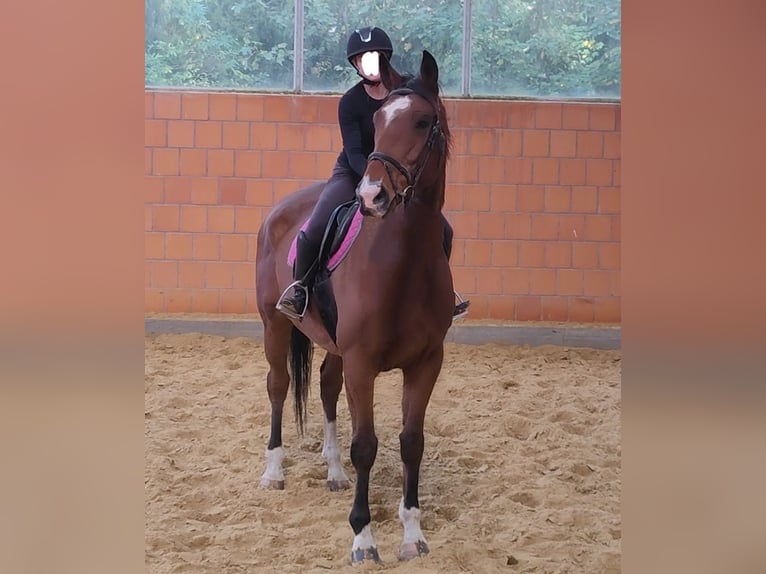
(422, 124)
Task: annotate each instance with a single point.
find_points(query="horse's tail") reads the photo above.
(301, 352)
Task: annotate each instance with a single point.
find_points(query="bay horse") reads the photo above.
(393, 301)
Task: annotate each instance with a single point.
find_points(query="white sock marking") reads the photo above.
(274, 460)
(364, 540)
(411, 522)
(331, 453)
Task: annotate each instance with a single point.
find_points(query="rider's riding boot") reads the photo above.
(294, 299)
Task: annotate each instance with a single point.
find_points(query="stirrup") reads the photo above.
(461, 309)
(288, 309)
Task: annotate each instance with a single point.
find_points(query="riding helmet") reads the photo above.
(368, 39)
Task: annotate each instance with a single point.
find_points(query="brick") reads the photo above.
(585, 255)
(222, 106)
(154, 245)
(260, 192)
(581, 310)
(466, 224)
(318, 138)
(148, 104)
(154, 189)
(545, 226)
(233, 247)
(220, 219)
(571, 227)
(167, 106)
(263, 136)
(155, 133)
(616, 284)
(247, 219)
(148, 169)
(193, 218)
(179, 245)
(165, 161)
(530, 198)
(491, 169)
(612, 145)
(464, 169)
(616, 228)
(563, 143)
(575, 117)
(290, 137)
(247, 163)
(531, 254)
(325, 162)
(572, 171)
(194, 106)
(206, 301)
(302, 165)
(503, 197)
(165, 217)
(489, 280)
(154, 300)
(597, 283)
(528, 308)
(599, 172)
(616, 170)
(233, 192)
(501, 307)
(457, 256)
(220, 162)
(536, 143)
(598, 228)
(206, 247)
(516, 281)
(519, 115)
(569, 281)
(542, 281)
(476, 198)
(584, 199)
(509, 143)
(555, 308)
(602, 117)
(590, 144)
(504, 253)
(491, 225)
(609, 200)
(558, 254)
(274, 164)
(460, 138)
(518, 226)
(235, 135)
(178, 301)
(453, 198)
(481, 141)
(609, 256)
(204, 190)
(191, 274)
(193, 162)
(327, 109)
(276, 108)
(464, 280)
(251, 305)
(149, 217)
(548, 116)
(218, 275)
(178, 189)
(180, 133)
(163, 273)
(557, 199)
(545, 171)
(518, 170)
(607, 310)
(250, 107)
(243, 274)
(478, 252)
(208, 134)
(233, 301)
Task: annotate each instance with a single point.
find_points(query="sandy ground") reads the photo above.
(521, 471)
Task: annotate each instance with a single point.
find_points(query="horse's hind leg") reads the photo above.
(419, 381)
(331, 383)
(276, 344)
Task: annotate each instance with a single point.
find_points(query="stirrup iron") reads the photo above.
(289, 290)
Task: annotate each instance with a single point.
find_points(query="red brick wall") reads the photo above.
(533, 194)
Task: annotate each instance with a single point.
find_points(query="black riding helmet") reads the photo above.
(368, 39)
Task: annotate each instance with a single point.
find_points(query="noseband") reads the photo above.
(389, 162)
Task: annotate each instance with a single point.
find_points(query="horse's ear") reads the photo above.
(429, 72)
(390, 77)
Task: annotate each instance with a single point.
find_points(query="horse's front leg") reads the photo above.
(419, 381)
(331, 383)
(364, 448)
(276, 345)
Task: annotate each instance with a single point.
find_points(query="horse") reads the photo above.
(387, 305)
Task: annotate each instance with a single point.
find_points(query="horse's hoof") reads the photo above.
(336, 485)
(361, 555)
(413, 550)
(272, 484)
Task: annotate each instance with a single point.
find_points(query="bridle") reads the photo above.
(388, 162)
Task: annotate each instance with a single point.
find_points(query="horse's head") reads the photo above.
(411, 140)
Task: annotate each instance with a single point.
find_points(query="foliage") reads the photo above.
(545, 48)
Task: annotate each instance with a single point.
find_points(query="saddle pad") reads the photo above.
(341, 252)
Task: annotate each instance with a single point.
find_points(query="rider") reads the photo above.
(355, 112)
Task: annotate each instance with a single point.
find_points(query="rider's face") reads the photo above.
(368, 65)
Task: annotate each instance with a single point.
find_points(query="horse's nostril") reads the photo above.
(380, 198)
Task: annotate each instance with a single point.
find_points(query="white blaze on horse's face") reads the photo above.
(392, 110)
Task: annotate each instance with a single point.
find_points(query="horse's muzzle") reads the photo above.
(373, 198)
